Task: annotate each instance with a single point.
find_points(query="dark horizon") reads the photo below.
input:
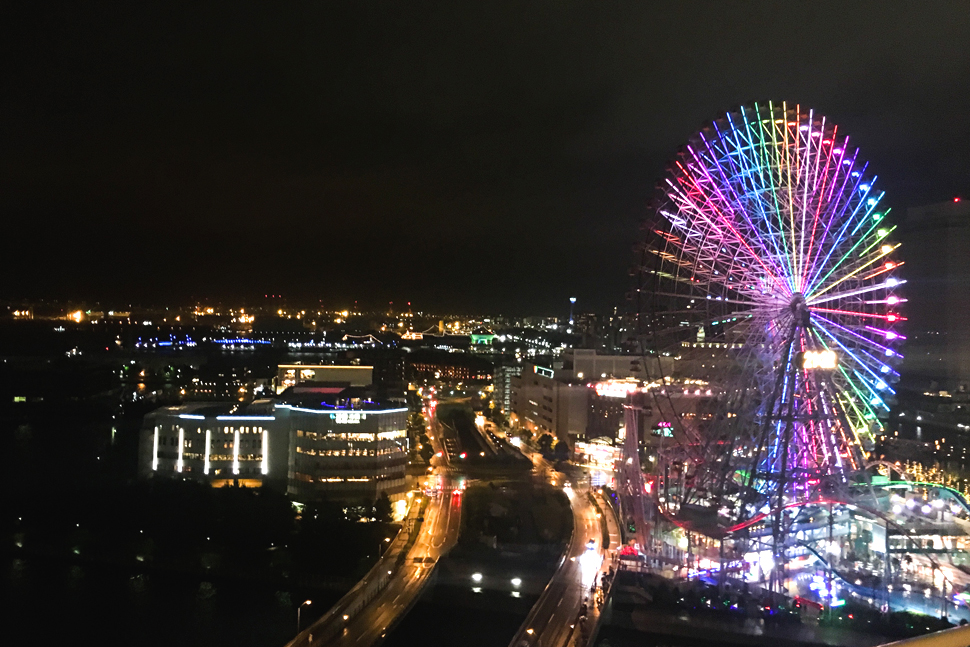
(463, 158)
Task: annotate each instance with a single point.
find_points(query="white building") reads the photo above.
(542, 403)
(314, 441)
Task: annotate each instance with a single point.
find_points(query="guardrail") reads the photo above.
(604, 531)
(523, 635)
(369, 586)
(591, 630)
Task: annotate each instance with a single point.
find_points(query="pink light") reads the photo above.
(889, 317)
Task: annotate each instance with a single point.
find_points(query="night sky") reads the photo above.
(464, 156)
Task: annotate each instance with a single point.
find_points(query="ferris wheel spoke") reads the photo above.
(766, 154)
(886, 285)
(731, 205)
(867, 220)
(854, 354)
(822, 199)
(852, 260)
(836, 203)
(885, 350)
(752, 193)
(735, 238)
(891, 318)
(870, 397)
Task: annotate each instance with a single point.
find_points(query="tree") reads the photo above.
(427, 451)
(545, 444)
(382, 508)
(562, 451)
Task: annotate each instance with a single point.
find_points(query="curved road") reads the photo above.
(370, 621)
(554, 618)
(438, 534)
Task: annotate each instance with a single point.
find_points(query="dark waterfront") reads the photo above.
(65, 584)
(54, 602)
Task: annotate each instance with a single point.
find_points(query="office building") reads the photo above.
(289, 375)
(315, 440)
(542, 403)
(345, 445)
(429, 366)
(217, 443)
(936, 250)
(502, 384)
(587, 364)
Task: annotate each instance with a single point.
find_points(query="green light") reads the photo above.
(882, 233)
(877, 217)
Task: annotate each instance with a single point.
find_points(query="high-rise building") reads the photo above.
(545, 404)
(936, 250)
(502, 383)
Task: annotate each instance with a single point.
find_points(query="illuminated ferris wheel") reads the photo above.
(769, 248)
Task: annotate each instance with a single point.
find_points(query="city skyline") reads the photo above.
(549, 324)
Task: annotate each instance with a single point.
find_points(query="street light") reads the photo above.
(476, 577)
(298, 610)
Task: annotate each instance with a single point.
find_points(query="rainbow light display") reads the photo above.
(772, 239)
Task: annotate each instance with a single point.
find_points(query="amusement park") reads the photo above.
(769, 270)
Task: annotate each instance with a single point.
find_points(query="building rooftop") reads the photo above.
(334, 396)
(225, 410)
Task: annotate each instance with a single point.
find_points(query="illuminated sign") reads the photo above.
(615, 388)
(818, 359)
(598, 455)
(348, 417)
(665, 429)
(545, 372)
